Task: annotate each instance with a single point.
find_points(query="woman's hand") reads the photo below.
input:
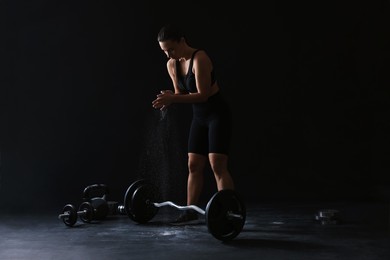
(163, 100)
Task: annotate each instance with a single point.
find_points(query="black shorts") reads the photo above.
(211, 127)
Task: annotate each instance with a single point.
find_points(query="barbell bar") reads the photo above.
(225, 212)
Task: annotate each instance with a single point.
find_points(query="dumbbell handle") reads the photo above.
(67, 213)
(170, 203)
(64, 215)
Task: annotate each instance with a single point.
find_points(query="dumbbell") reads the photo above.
(328, 216)
(225, 212)
(97, 195)
(69, 214)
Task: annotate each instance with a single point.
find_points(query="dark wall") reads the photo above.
(307, 82)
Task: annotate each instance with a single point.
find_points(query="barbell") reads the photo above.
(225, 213)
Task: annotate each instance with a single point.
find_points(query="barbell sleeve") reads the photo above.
(233, 215)
(170, 203)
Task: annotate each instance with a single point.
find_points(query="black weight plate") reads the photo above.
(129, 195)
(142, 207)
(219, 223)
(87, 208)
(71, 219)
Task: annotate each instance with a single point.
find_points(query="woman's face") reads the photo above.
(172, 49)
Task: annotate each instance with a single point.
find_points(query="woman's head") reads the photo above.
(172, 41)
(170, 32)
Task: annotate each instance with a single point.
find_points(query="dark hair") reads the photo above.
(170, 32)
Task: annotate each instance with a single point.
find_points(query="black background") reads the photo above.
(307, 81)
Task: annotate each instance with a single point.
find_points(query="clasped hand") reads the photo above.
(163, 100)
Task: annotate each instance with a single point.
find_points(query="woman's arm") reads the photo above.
(202, 68)
(171, 67)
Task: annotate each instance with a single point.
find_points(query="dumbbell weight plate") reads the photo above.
(71, 219)
(222, 226)
(88, 215)
(142, 208)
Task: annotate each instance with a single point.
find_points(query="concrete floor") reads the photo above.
(271, 231)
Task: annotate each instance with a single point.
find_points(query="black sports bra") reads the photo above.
(188, 82)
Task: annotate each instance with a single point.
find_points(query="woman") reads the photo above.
(194, 81)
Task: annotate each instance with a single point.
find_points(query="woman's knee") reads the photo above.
(196, 163)
(218, 163)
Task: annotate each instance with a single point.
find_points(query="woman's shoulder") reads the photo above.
(200, 52)
(171, 64)
(201, 55)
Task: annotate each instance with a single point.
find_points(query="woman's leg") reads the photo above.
(196, 166)
(222, 175)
